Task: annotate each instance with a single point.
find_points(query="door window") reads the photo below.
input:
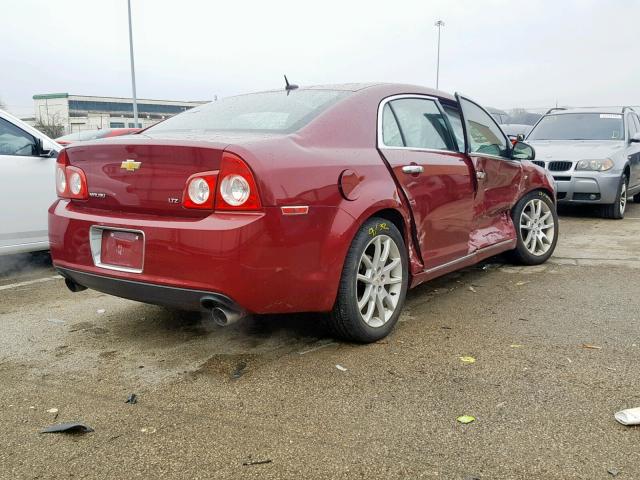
(485, 137)
(15, 141)
(422, 124)
(391, 136)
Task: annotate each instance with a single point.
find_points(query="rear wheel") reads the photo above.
(536, 222)
(616, 210)
(373, 285)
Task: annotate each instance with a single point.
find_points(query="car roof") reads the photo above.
(376, 88)
(610, 110)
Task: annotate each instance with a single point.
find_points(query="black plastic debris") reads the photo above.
(72, 427)
(132, 399)
(256, 462)
(239, 371)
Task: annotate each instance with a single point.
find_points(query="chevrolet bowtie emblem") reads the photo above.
(130, 165)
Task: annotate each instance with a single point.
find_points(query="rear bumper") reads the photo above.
(182, 298)
(586, 188)
(262, 262)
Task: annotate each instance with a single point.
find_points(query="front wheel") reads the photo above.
(536, 222)
(617, 208)
(373, 285)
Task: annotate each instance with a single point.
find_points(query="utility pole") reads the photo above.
(438, 24)
(133, 70)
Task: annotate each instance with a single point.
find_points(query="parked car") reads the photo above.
(85, 135)
(594, 155)
(27, 168)
(323, 199)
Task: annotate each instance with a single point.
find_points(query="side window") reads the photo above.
(455, 119)
(485, 137)
(15, 141)
(632, 124)
(391, 136)
(422, 124)
(637, 122)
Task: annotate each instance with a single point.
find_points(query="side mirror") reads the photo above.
(45, 149)
(520, 137)
(635, 138)
(523, 151)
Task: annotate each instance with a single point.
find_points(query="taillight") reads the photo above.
(200, 191)
(232, 188)
(237, 189)
(71, 182)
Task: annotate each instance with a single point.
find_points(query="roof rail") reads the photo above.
(554, 109)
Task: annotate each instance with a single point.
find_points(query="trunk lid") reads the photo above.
(141, 175)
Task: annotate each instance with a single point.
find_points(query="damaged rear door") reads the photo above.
(415, 138)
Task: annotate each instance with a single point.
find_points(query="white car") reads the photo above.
(27, 186)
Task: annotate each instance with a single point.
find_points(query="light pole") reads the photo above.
(438, 24)
(133, 70)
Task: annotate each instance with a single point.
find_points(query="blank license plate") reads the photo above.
(122, 249)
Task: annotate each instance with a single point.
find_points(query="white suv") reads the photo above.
(27, 172)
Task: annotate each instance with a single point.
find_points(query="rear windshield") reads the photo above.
(579, 126)
(257, 112)
(84, 135)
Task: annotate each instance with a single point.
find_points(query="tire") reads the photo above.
(536, 223)
(362, 281)
(636, 198)
(616, 210)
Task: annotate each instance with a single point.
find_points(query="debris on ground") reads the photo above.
(100, 310)
(519, 284)
(467, 359)
(341, 368)
(148, 430)
(592, 347)
(55, 320)
(630, 416)
(132, 399)
(256, 462)
(239, 371)
(73, 427)
(464, 419)
(318, 347)
(472, 289)
(613, 472)
(52, 410)
(515, 345)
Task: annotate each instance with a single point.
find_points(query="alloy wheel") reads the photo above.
(379, 280)
(623, 197)
(537, 227)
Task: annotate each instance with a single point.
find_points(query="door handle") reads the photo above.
(480, 175)
(413, 169)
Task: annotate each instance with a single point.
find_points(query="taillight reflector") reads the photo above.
(200, 190)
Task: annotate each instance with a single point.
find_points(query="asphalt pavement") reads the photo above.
(556, 350)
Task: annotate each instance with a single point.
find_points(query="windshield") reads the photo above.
(280, 111)
(579, 126)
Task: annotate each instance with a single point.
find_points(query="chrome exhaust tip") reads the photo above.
(225, 317)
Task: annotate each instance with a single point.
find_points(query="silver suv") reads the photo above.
(593, 155)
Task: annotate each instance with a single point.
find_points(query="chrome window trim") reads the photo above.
(95, 242)
(401, 96)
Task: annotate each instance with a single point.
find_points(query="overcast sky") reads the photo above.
(502, 53)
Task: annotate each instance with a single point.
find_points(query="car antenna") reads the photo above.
(289, 86)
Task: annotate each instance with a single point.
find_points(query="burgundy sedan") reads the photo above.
(325, 199)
